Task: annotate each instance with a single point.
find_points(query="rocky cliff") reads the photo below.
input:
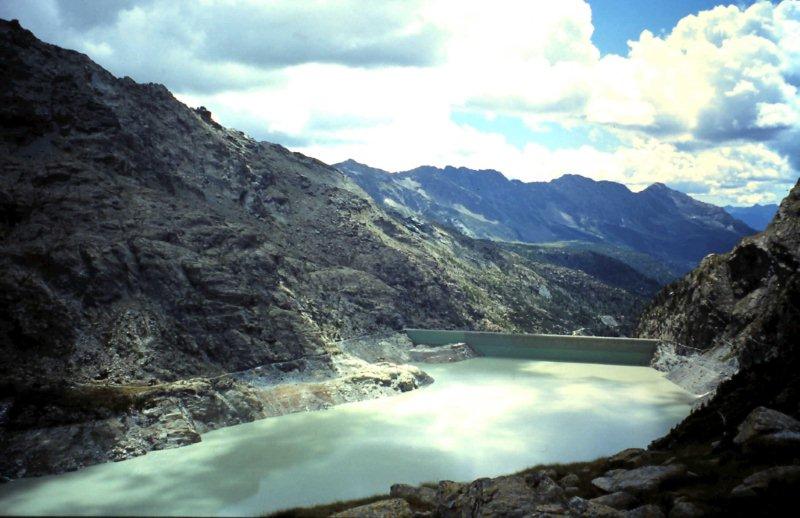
(161, 275)
(735, 309)
(743, 306)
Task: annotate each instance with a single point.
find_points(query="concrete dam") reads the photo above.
(563, 348)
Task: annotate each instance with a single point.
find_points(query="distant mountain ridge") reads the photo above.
(661, 222)
(757, 216)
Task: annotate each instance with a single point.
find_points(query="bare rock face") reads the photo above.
(735, 321)
(733, 299)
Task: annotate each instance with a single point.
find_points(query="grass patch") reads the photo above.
(325, 510)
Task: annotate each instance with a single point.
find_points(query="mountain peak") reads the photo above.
(658, 186)
(573, 178)
(356, 167)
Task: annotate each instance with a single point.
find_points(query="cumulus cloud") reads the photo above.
(710, 106)
(722, 75)
(231, 44)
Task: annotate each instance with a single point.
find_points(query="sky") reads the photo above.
(699, 96)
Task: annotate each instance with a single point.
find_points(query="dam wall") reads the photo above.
(566, 348)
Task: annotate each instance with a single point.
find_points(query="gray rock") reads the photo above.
(683, 508)
(392, 508)
(766, 429)
(618, 500)
(645, 511)
(550, 510)
(630, 458)
(448, 353)
(512, 496)
(422, 494)
(764, 481)
(581, 507)
(639, 480)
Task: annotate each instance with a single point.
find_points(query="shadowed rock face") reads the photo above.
(736, 299)
(150, 256)
(744, 305)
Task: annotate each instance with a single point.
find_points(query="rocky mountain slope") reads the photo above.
(161, 275)
(736, 455)
(756, 216)
(660, 222)
(743, 306)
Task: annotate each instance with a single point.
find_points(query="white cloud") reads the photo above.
(721, 75)
(712, 105)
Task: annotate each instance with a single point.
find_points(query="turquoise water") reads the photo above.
(481, 417)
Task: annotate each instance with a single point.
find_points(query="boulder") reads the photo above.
(683, 508)
(507, 496)
(581, 507)
(392, 508)
(768, 430)
(423, 495)
(570, 480)
(645, 511)
(618, 500)
(767, 481)
(628, 459)
(639, 480)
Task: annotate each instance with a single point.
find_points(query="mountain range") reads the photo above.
(662, 223)
(756, 216)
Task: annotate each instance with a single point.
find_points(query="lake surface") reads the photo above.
(482, 417)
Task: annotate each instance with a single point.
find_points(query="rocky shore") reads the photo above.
(751, 476)
(117, 422)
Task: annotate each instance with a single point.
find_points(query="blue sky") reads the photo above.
(700, 95)
(617, 21)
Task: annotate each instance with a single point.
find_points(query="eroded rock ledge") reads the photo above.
(117, 422)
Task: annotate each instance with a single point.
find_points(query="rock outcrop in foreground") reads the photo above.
(161, 275)
(736, 455)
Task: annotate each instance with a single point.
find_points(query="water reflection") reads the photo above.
(481, 418)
